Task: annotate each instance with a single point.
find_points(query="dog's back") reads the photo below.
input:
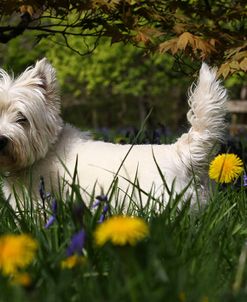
(42, 145)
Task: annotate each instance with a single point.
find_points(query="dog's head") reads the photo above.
(30, 119)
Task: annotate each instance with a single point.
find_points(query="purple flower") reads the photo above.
(99, 200)
(50, 221)
(245, 180)
(103, 202)
(77, 243)
(103, 214)
(54, 214)
(96, 204)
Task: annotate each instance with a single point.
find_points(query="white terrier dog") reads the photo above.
(35, 141)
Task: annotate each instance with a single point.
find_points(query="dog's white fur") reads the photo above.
(34, 139)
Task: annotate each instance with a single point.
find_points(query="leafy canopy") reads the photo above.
(195, 29)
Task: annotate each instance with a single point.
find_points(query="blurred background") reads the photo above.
(116, 85)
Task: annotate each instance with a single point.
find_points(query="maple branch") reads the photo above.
(89, 50)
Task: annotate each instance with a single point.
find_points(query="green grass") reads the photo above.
(190, 255)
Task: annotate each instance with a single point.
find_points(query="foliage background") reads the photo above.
(115, 86)
(117, 59)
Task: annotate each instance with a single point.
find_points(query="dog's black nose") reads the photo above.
(3, 142)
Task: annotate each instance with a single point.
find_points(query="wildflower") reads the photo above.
(245, 180)
(16, 252)
(103, 214)
(99, 200)
(77, 243)
(102, 200)
(54, 214)
(121, 230)
(74, 251)
(72, 261)
(23, 279)
(50, 221)
(225, 168)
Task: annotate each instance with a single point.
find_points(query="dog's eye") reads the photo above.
(21, 119)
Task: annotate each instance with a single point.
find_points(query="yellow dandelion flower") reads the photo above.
(72, 261)
(23, 279)
(225, 168)
(16, 252)
(121, 230)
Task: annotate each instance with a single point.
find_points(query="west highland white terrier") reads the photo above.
(35, 142)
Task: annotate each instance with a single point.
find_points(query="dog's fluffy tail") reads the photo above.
(207, 113)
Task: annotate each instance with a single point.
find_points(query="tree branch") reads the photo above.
(16, 31)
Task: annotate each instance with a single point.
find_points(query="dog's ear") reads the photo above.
(42, 75)
(47, 74)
